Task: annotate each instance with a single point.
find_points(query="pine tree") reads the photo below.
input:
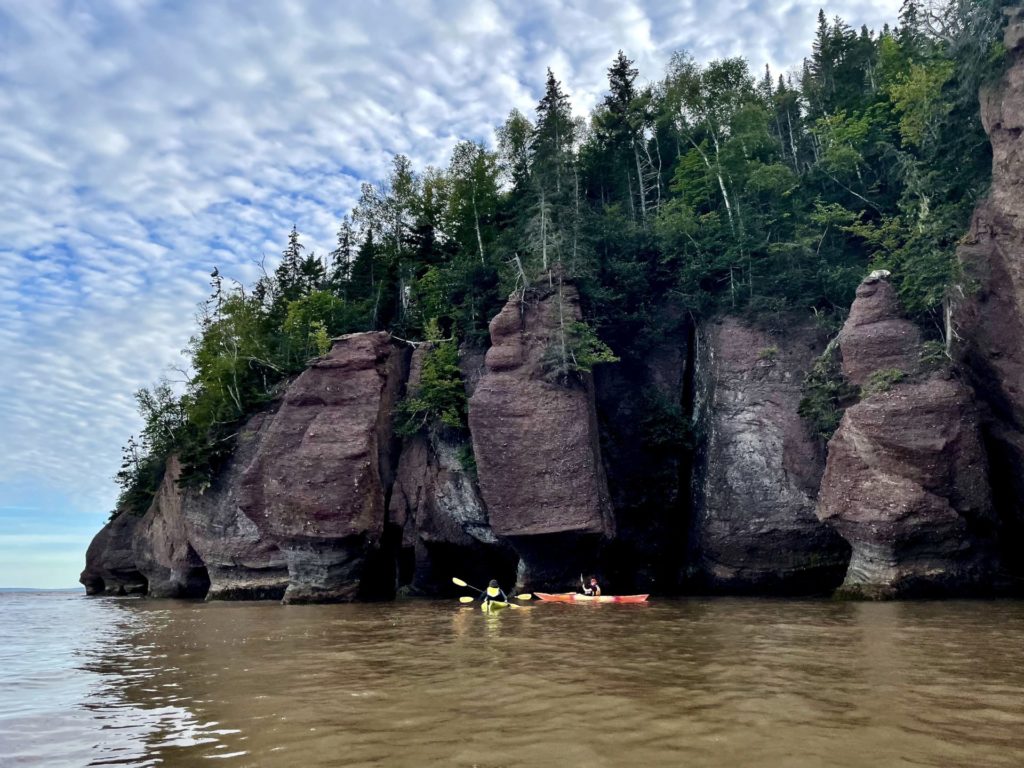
(288, 274)
(341, 258)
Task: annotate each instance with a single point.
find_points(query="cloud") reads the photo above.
(142, 143)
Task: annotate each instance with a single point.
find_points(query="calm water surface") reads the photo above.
(675, 683)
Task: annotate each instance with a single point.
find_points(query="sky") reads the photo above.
(144, 142)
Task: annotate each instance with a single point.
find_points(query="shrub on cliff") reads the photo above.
(575, 349)
(826, 393)
(440, 398)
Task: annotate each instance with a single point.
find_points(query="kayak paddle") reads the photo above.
(460, 583)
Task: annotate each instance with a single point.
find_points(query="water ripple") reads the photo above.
(714, 683)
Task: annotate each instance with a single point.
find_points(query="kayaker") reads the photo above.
(593, 589)
(493, 592)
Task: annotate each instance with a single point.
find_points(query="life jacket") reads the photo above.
(494, 593)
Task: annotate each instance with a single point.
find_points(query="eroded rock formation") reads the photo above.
(319, 483)
(644, 411)
(436, 502)
(160, 544)
(536, 442)
(906, 481)
(875, 337)
(754, 527)
(110, 563)
(989, 318)
(242, 563)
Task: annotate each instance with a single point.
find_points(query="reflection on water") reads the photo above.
(672, 683)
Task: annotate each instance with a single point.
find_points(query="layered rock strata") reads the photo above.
(875, 337)
(906, 481)
(110, 562)
(754, 527)
(536, 441)
(242, 564)
(988, 320)
(161, 548)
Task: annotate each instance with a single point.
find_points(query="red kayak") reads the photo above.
(572, 597)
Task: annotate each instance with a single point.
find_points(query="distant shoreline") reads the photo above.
(41, 589)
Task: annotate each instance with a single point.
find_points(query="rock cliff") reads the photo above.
(906, 480)
(988, 318)
(436, 502)
(643, 408)
(242, 564)
(536, 442)
(110, 562)
(319, 483)
(754, 527)
(161, 548)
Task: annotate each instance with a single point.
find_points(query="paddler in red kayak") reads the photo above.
(594, 589)
(493, 592)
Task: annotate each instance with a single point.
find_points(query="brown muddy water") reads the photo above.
(696, 682)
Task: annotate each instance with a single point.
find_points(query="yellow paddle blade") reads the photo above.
(466, 599)
(459, 582)
(524, 596)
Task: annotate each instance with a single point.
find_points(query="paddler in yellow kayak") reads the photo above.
(493, 593)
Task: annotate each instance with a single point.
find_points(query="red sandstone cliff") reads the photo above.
(906, 480)
(988, 317)
(318, 484)
(536, 443)
(754, 527)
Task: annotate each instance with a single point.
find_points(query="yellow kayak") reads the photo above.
(490, 606)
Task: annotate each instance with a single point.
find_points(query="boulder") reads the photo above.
(109, 561)
(536, 442)
(161, 547)
(320, 479)
(242, 563)
(756, 476)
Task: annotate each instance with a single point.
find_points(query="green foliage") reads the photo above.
(663, 425)
(466, 458)
(143, 460)
(575, 349)
(310, 323)
(933, 355)
(826, 394)
(439, 400)
(768, 353)
(882, 381)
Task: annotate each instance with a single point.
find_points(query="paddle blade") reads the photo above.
(466, 599)
(524, 596)
(459, 582)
